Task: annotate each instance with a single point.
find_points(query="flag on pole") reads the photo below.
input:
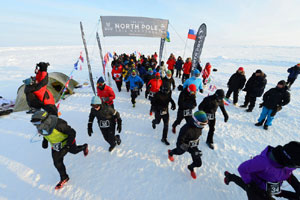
(192, 34)
(168, 37)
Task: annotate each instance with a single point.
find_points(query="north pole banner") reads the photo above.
(161, 49)
(133, 26)
(200, 37)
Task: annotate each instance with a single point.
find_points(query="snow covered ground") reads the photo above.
(138, 168)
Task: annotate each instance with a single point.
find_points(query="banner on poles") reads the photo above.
(200, 37)
(133, 26)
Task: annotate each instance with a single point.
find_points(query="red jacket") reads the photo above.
(171, 62)
(155, 85)
(187, 67)
(206, 71)
(43, 94)
(117, 74)
(106, 92)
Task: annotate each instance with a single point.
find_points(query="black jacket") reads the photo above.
(255, 86)
(186, 100)
(169, 82)
(210, 105)
(187, 133)
(161, 101)
(178, 64)
(106, 116)
(236, 81)
(276, 97)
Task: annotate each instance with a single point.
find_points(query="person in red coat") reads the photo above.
(117, 75)
(153, 87)
(37, 94)
(106, 93)
(206, 72)
(187, 67)
(171, 62)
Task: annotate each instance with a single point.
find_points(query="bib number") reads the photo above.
(193, 143)
(164, 112)
(57, 146)
(187, 113)
(136, 89)
(104, 124)
(210, 116)
(273, 188)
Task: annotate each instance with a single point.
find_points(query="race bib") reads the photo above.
(273, 188)
(187, 112)
(164, 112)
(104, 124)
(210, 116)
(56, 146)
(136, 89)
(194, 143)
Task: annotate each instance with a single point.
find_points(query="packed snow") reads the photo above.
(139, 168)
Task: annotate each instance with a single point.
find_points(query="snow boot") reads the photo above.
(153, 124)
(171, 158)
(210, 145)
(85, 150)
(249, 110)
(111, 148)
(174, 129)
(61, 183)
(150, 113)
(266, 127)
(118, 139)
(259, 123)
(227, 179)
(193, 174)
(243, 106)
(133, 105)
(164, 140)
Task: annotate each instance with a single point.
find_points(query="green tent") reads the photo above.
(56, 84)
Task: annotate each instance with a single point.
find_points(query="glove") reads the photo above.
(90, 129)
(119, 127)
(201, 90)
(226, 117)
(180, 88)
(184, 146)
(261, 105)
(173, 107)
(146, 94)
(45, 144)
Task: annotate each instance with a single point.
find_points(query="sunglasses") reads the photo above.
(100, 84)
(95, 105)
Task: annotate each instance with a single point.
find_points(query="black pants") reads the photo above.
(165, 119)
(180, 117)
(290, 82)
(172, 70)
(235, 95)
(184, 77)
(178, 73)
(127, 86)
(58, 158)
(211, 125)
(34, 102)
(119, 85)
(109, 135)
(195, 153)
(250, 99)
(134, 95)
(251, 194)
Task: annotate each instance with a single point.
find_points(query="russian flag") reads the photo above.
(192, 34)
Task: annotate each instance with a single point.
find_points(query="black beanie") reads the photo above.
(288, 155)
(282, 82)
(258, 71)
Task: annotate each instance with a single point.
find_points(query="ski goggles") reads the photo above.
(36, 122)
(95, 105)
(198, 123)
(193, 92)
(100, 84)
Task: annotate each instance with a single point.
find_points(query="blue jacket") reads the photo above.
(134, 82)
(195, 81)
(294, 72)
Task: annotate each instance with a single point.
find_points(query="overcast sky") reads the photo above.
(236, 22)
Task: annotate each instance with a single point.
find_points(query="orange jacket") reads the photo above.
(187, 67)
(107, 95)
(206, 71)
(43, 94)
(171, 62)
(155, 85)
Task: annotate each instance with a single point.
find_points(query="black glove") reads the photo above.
(90, 129)
(201, 90)
(45, 144)
(261, 105)
(180, 87)
(184, 146)
(146, 94)
(173, 107)
(226, 117)
(119, 127)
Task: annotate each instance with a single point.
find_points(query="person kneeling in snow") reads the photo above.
(62, 139)
(262, 176)
(274, 99)
(107, 118)
(188, 140)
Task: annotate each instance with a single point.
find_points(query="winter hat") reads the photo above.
(43, 66)
(196, 73)
(39, 116)
(150, 69)
(157, 74)
(208, 65)
(282, 82)
(200, 119)
(169, 72)
(258, 71)
(220, 93)
(96, 100)
(288, 155)
(100, 80)
(241, 69)
(133, 73)
(192, 88)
